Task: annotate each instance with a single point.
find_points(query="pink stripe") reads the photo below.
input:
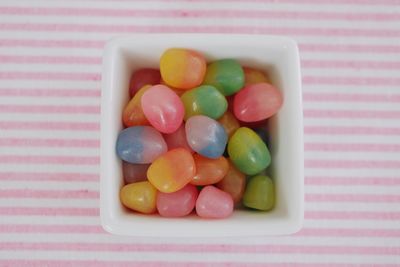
(50, 59)
(350, 147)
(62, 194)
(341, 232)
(364, 81)
(364, 198)
(352, 164)
(50, 109)
(352, 114)
(38, 159)
(52, 43)
(50, 76)
(330, 97)
(54, 228)
(352, 215)
(59, 211)
(48, 125)
(41, 177)
(32, 92)
(345, 130)
(373, 181)
(349, 48)
(379, 65)
(30, 142)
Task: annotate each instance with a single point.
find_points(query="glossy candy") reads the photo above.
(179, 203)
(172, 171)
(139, 196)
(209, 171)
(214, 203)
(206, 136)
(163, 108)
(134, 172)
(229, 122)
(226, 75)
(182, 68)
(252, 76)
(257, 102)
(234, 183)
(133, 113)
(177, 139)
(142, 77)
(248, 152)
(204, 100)
(140, 144)
(260, 193)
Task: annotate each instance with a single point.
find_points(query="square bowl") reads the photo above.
(278, 56)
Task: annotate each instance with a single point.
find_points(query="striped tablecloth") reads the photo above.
(50, 62)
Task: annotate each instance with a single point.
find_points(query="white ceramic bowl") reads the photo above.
(278, 56)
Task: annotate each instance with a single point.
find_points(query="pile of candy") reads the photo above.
(193, 133)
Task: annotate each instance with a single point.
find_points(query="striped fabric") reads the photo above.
(50, 65)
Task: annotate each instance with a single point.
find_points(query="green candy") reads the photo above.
(226, 75)
(204, 100)
(248, 152)
(260, 193)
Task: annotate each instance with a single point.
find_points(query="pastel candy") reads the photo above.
(133, 173)
(226, 75)
(163, 108)
(140, 144)
(248, 152)
(179, 203)
(182, 68)
(206, 136)
(142, 77)
(257, 102)
(252, 76)
(214, 203)
(172, 171)
(229, 122)
(139, 197)
(133, 113)
(204, 100)
(234, 183)
(209, 171)
(177, 139)
(260, 193)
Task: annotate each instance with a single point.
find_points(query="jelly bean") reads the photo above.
(182, 68)
(214, 203)
(172, 171)
(229, 122)
(226, 75)
(206, 136)
(248, 152)
(133, 113)
(209, 171)
(140, 144)
(139, 197)
(257, 102)
(143, 77)
(178, 139)
(163, 108)
(134, 172)
(260, 193)
(179, 203)
(204, 100)
(252, 76)
(233, 183)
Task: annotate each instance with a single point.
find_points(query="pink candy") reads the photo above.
(214, 203)
(177, 204)
(177, 139)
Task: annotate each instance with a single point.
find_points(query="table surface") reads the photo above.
(50, 74)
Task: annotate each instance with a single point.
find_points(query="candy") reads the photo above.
(139, 196)
(133, 113)
(143, 77)
(182, 68)
(204, 100)
(206, 136)
(257, 102)
(214, 203)
(252, 76)
(134, 172)
(172, 171)
(226, 75)
(248, 152)
(179, 203)
(229, 122)
(140, 144)
(260, 193)
(163, 108)
(177, 139)
(233, 183)
(209, 171)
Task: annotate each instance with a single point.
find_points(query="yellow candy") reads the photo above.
(139, 197)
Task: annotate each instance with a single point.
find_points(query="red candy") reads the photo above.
(143, 77)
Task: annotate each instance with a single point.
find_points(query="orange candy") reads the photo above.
(133, 113)
(229, 122)
(233, 183)
(252, 76)
(209, 171)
